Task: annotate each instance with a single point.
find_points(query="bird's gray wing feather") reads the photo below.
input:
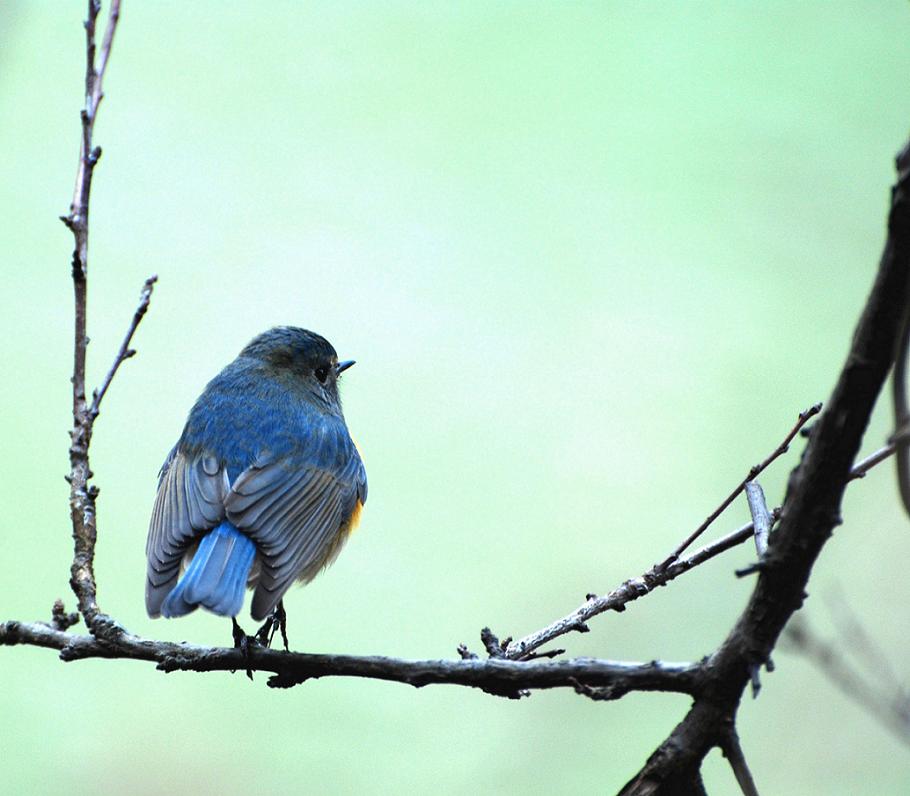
(190, 499)
(297, 515)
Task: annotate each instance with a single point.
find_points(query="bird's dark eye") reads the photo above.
(322, 373)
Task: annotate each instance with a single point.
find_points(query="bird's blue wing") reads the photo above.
(190, 500)
(298, 508)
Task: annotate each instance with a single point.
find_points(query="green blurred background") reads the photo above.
(591, 259)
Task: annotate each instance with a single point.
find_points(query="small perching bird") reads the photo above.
(263, 487)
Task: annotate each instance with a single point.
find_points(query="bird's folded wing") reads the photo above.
(190, 499)
(296, 509)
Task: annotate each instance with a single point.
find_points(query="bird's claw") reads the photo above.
(277, 620)
(245, 644)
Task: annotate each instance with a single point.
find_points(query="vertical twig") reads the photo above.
(761, 517)
(82, 496)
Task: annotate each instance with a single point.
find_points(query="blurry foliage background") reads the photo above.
(591, 259)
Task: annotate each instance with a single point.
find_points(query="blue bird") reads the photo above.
(263, 487)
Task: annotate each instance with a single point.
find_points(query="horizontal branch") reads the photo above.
(509, 673)
(495, 676)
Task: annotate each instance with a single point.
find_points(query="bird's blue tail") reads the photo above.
(216, 577)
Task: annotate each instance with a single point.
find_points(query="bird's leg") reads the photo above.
(282, 623)
(243, 642)
(277, 620)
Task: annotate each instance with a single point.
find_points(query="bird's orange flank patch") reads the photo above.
(354, 521)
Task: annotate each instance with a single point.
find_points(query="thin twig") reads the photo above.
(781, 449)
(761, 517)
(124, 352)
(626, 592)
(658, 575)
(733, 751)
(857, 641)
(864, 465)
(891, 711)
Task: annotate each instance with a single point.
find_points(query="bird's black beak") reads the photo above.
(341, 367)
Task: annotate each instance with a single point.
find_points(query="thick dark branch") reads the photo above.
(899, 389)
(501, 677)
(811, 512)
(902, 414)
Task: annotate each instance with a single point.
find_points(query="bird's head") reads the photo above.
(300, 357)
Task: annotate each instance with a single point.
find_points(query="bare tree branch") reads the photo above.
(761, 517)
(890, 710)
(82, 495)
(811, 511)
(756, 470)
(899, 388)
(500, 677)
(862, 467)
(658, 575)
(859, 643)
(124, 352)
(716, 684)
(733, 751)
(616, 600)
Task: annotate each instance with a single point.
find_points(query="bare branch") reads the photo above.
(858, 642)
(891, 710)
(628, 591)
(862, 467)
(82, 496)
(124, 352)
(658, 575)
(902, 415)
(899, 388)
(761, 517)
(495, 676)
(780, 450)
(733, 751)
(811, 510)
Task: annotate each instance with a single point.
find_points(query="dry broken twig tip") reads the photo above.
(761, 517)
